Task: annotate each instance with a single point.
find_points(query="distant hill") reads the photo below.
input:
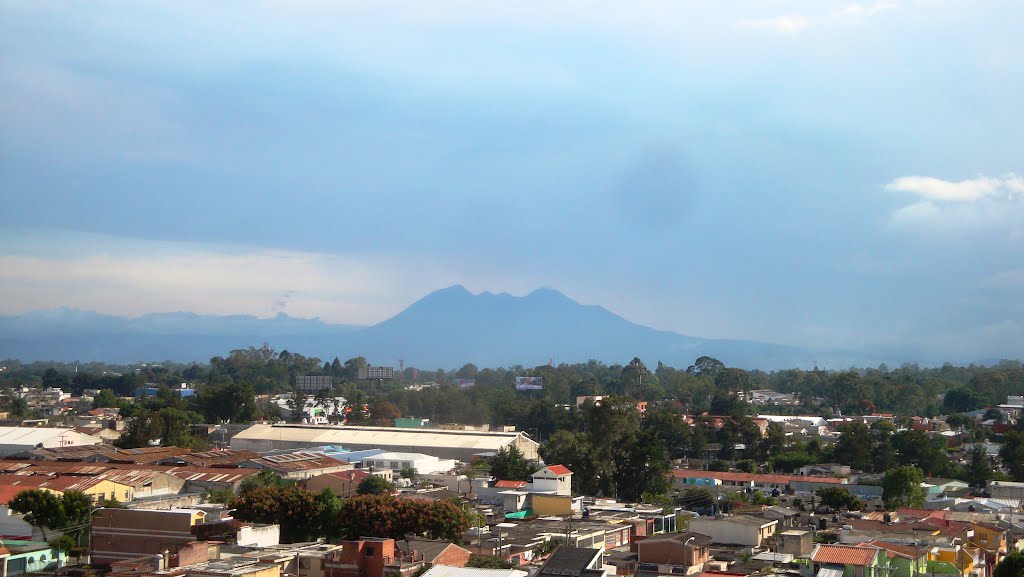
(445, 329)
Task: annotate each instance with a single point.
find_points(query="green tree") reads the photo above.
(979, 467)
(488, 562)
(42, 509)
(106, 398)
(854, 446)
(839, 498)
(296, 510)
(902, 487)
(1012, 454)
(374, 485)
(1011, 566)
(510, 464)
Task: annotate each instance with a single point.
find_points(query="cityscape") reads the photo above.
(325, 288)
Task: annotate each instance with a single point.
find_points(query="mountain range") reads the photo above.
(445, 329)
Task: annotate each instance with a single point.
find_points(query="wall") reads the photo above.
(259, 536)
(723, 531)
(13, 526)
(545, 505)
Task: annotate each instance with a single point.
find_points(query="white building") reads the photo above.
(443, 443)
(555, 479)
(18, 439)
(425, 464)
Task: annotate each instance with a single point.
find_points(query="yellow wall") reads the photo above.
(544, 505)
(107, 489)
(989, 539)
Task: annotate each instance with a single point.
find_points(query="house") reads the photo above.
(555, 479)
(98, 489)
(672, 554)
(372, 557)
(435, 552)
(119, 534)
(573, 562)
(904, 560)
(19, 557)
(1005, 489)
(735, 530)
(848, 561)
(784, 515)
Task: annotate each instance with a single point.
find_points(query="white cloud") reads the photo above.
(936, 189)
(788, 24)
(183, 276)
(992, 206)
(857, 10)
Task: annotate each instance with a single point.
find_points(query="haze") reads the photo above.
(804, 173)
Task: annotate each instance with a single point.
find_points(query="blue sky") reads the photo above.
(805, 172)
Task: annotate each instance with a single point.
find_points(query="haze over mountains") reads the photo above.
(445, 329)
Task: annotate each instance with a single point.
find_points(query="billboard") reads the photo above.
(465, 383)
(529, 383)
(372, 373)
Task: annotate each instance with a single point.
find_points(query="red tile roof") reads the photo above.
(748, 477)
(844, 555)
(8, 492)
(559, 469)
(510, 484)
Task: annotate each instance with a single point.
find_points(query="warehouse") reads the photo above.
(444, 444)
(18, 439)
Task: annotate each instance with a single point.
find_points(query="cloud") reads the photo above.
(1010, 187)
(130, 280)
(786, 25)
(857, 10)
(987, 205)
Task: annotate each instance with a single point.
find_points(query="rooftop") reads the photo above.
(844, 555)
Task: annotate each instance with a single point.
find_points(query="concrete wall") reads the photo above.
(260, 536)
(727, 531)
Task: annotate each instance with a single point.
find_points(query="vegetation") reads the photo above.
(838, 498)
(374, 485)
(67, 514)
(510, 464)
(488, 562)
(1011, 566)
(902, 488)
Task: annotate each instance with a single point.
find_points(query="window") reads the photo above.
(369, 550)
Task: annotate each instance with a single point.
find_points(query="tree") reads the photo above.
(838, 498)
(105, 398)
(374, 485)
(488, 562)
(408, 472)
(979, 467)
(509, 464)
(706, 366)
(62, 545)
(46, 510)
(902, 487)
(854, 446)
(1012, 454)
(297, 510)
(42, 509)
(1011, 566)
(387, 516)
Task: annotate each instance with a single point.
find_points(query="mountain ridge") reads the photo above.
(445, 328)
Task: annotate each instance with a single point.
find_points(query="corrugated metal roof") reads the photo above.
(449, 571)
(385, 436)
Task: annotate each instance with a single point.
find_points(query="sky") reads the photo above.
(810, 172)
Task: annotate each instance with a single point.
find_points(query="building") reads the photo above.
(344, 483)
(849, 561)
(1005, 490)
(574, 562)
(735, 530)
(97, 488)
(672, 554)
(18, 557)
(372, 557)
(299, 465)
(447, 571)
(441, 443)
(419, 462)
(796, 543)
(18, 439)
(555, 479)
(119, 534)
